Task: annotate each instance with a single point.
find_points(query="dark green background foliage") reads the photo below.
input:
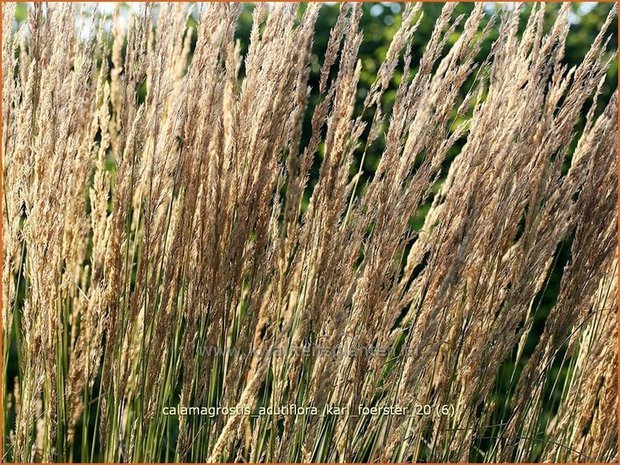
(379, 22)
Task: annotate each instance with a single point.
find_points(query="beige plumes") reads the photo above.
(189, 220)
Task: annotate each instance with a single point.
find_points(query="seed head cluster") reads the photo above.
(166, 190)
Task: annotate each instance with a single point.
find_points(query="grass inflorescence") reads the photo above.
(190, 226)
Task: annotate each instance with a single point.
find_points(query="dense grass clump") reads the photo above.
(176, 289)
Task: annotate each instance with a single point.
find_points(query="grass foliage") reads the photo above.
(163, 245)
